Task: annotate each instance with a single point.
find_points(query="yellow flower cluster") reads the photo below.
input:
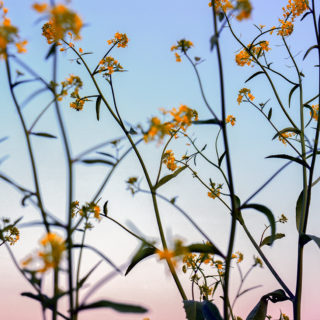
(9, 34)
(86, 210)
(181, 46)
(244, 92)
(283, 136)
(243, 7)
(293, 9)
(214, 190)
(231, 119)
(51, 253)
(62, 21)
(109, 65)
(169, 160)
(120, 39)
(315, 114)
(181, 119)
(71, 82)
(246, 56)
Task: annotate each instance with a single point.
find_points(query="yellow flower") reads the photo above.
(167, 255)
(21, 46)
(120, 39)
(108, 65)
(247, 55)
(244, 92)
(315, 113)
(240, 256)
(40, 7)
(169, 160)
(231, 119)
(52, 252)
(284, 136)
(182, 46)
(178, 57)
(245, 8)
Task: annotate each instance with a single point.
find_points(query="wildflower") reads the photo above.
(62, 21)
(224, 5)
(96, 211)
(12, 235)
(231, 119)
(120, 39)
(80, 50)
(252, 52)
(244, 9)
(240, 256)
(74, 208)
(284, 316)
(178, 57)
(283, 219)
(315, 113)
(244, 92)
(272, 29)
(284, 136)
(182, 46)
(52, 251)
(257, 261)
(214, 193)
(108, 65)
(167, 255)
(169, 160)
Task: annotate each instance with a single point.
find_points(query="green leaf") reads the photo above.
(267, 212)
(270, 114)
(289, 129)
(204, 248)
(51, 51)
(307, 13)
(221, 159)
(259, 312)
(144, 251)
(95, 161)
(43, 134)
(120, 307)
(98, 103)
(286, 156)
(254, 75)
(85, 278)
(308, 237)
(210, 311)
(209, 121)
(308, 51)
(311, 113)
(267, 240)
(45, 301)
(168, 177)
(105, 208)
(193, 310)
(292, 91)
(107, 154)
(277, 296)
(299, 206)
(213, 41)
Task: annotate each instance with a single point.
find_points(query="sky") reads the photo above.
(155, 80)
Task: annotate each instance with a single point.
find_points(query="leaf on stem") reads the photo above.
(305, 238)
(308, 51)
(221, 159)
(168, 177)
(205, 310)
(270, 114)
(292, 91)
(254, 75)
(144, 251)
(85, 278)
(299, 206)
(98, 103)
(286, 156)
(267, 212)
(97, 161)
(289, 129)
(267, 240)
(209, 121)
(51, 51)
(120, 307)
(43, 134)
(204, 248)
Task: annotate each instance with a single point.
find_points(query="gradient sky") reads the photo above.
(154, 80)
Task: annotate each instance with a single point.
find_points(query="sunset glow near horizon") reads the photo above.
(154, 80)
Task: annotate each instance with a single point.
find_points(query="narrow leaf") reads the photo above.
(120, 307)
(193, 310)
(289, 129)
(270, 114)
(85, 278)
(299, 205)
(168, 177)
(306, 14)
(144, 251)
(106, 154)
(292, 91)
(43, 134)
(267, 212)
(98, 103)
(254, 75)
(267, 240)
(221, 159)
(309, 237)
(308, 51)
(277, 296)
(286, 156)
(204, 248)
(51, 51)
(95, 161)
(209, 121)
(213, 41)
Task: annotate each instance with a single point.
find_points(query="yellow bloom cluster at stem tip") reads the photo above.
(246, 56)
(62, 20)
(231, 119)
(51, 253)
(109, 65)
(169, 160)
(244, 92)
(293, 9)
(215, 191)
(181, 119)
(182, 46)
(87, 211)
(9, 34)
(120, 39)
(243, 7)
(283, 136)
(9, 233)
